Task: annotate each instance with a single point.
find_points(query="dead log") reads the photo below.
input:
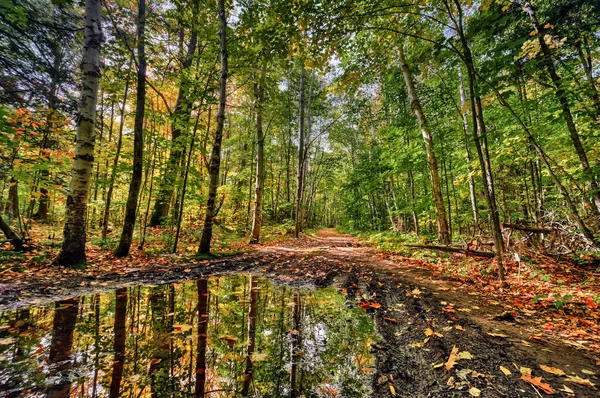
(11, 235)
(527, 228)
(450, 249)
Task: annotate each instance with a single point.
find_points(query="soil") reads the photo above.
(421, 319)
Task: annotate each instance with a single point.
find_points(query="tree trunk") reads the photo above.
(215, 159)
(480, 139)
(13, 198)
(138, 139)
(73, 246)
(259, 92)
(472, 196)
(113, 173)
(436, 186)
(300, 180)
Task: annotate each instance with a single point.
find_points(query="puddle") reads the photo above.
(219, 337)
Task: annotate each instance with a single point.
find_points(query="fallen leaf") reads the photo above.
(474, 391)
(580, 381)
(452, 358)
(525, 371)
(554, 371)
(497, 334)
(537, 381)
(567, 390)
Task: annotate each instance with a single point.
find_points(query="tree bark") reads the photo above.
(300, 179)
(73, 246)
(215, 159)
(443, 232)
(259, 92)
(138, 139)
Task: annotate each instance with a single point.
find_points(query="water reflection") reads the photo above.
(219, 337)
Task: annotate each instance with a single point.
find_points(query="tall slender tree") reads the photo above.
(436, 186)
(73, 247)
(138, 138)
(215, 159)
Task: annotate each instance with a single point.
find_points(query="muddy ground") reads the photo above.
(420, 319)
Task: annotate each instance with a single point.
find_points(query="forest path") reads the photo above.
(422, 318)
(438, 336)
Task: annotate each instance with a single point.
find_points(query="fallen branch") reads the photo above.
(528, 228)
(451, 249)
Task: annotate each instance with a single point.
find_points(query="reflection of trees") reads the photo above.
(296, 342)
(119, 342)
(158, 371)
(251, 334)
(203, 301)
(293, 342)
(61, 345)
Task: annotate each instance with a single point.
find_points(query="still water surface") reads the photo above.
(224, 336)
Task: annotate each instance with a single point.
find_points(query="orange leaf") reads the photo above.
(537, 381)
(452, 358)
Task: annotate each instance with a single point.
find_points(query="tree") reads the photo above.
(73, 246)
(215, 159)
(260, 157)
(138, 140)
(300, 175)
(436, 187)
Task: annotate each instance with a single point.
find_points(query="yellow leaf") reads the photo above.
(554, 371)
(392, 390)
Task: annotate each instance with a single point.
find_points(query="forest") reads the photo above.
(395, 144)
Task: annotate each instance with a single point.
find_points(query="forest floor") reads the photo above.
(440, 336)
